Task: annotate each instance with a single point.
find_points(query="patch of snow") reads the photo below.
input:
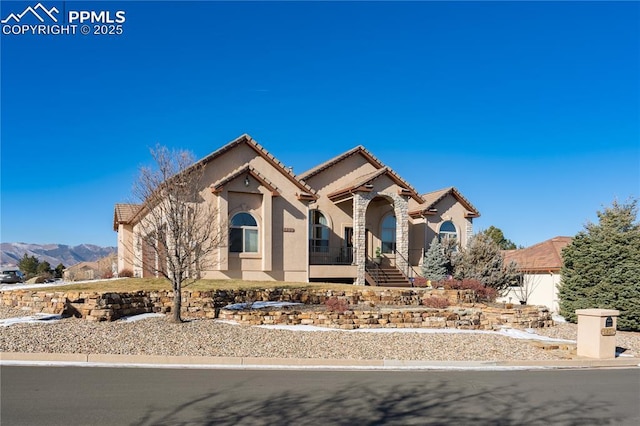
(258, 305)
(32, 319)
(228, 322)
(558, 318)
(299, 328)
(421, 330)
(140, 317)
(529, 334)
(22, 286)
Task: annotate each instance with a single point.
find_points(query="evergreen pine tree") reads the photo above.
(44, 268)
(497, 235)
(434, 266)
(602, 266)
(29, 265)
(482, 260)
(58, 272)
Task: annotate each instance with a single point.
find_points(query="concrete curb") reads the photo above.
(18, 358)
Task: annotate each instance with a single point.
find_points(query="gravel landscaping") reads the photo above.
(197, 337)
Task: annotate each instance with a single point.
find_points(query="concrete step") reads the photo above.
(388, 276)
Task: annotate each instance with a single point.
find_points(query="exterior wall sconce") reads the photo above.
(246, 181)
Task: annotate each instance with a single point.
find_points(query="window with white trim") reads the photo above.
(243, 234)
(388, 234)
(448, 234)
(318, 232)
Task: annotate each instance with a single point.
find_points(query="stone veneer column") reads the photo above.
(469, 231)
(401, 210)
(360, 204)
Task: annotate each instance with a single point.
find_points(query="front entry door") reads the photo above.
(348, 244)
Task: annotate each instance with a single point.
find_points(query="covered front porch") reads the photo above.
(373, 249)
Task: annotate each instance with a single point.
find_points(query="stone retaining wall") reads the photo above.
(110, 306)
(461, 317)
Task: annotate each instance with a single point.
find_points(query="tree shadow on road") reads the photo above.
(417, 401)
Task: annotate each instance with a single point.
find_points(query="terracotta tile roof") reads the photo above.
(306, 192)
(123, 213)
(373, 160)
(542, 257)
(335, 160)
(432, 198)
(305, 189)
(361, 182)
(215, 187)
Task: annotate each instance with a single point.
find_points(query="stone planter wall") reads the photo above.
(109, 306)
(470, 318)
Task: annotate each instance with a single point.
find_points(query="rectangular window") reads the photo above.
(388, 247)
(251, 240)
(235, 240)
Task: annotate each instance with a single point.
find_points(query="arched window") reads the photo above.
(448, 234)
(243, 235)
(318, 232)
(388, 235)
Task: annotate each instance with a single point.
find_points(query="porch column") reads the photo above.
(222, 260)
(267, 229)
(401, 209)
(469, 232)
(360, 204)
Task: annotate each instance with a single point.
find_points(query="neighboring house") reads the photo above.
(540, 266)
(82, 271)
(322, 225)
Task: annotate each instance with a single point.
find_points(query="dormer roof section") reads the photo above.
(305, 189)
(381, 169)
(365, 182)
(354, 151)
(432, 198)
(247, 171)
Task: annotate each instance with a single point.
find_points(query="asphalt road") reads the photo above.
(135, 396)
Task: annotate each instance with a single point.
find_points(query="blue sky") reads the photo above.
(530, 109)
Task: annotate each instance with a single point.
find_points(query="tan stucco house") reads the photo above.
(326, 224)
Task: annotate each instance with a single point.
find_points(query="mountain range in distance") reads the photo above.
(55, 254)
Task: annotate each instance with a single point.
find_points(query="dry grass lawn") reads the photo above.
(150, 284)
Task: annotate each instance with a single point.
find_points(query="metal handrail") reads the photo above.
(325, 255)
(406, 261)
(416, 269)
(373, 269)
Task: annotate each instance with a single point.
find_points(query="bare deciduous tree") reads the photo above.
(178, 230)
(526, 284)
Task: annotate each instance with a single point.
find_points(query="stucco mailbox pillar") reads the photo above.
(597, 333)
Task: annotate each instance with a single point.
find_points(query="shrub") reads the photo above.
(482, 260)
(601, 266)
(435, 263)
(420, 282)
(483, 293)
(436, 302)
(107, 275)
(125, 273)
(336, 305)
